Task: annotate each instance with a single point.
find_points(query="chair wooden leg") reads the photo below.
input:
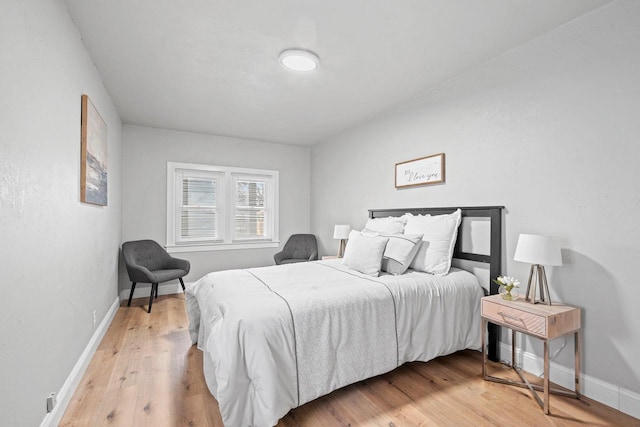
(133, 287)
(181, 283)
(153, 286)
(156, 294)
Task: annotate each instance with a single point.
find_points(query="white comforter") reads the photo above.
(277, 337)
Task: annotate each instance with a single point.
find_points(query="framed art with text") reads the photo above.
(93, 166)
(422, 171)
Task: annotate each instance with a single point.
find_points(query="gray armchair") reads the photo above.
(148, 262)
(299, 248)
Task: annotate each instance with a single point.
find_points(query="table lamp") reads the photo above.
(538, 251)
(341, 232)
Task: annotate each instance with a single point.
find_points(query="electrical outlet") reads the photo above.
(95, 319)
(51, 402)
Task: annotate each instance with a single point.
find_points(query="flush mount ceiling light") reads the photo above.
(299, 60)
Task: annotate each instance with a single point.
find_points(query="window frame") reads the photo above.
(226, 207)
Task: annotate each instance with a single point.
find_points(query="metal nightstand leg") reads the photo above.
(484, 348)
(513, 348)
(576, 338)
(545, 388)
(546, 377)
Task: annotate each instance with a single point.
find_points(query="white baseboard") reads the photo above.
(65, 393)
(630, 403)
(609, 394)
(143, 292)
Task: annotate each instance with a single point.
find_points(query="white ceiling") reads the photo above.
(211, 66)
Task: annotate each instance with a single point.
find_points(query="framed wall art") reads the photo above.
(93, 166)
(422, 171)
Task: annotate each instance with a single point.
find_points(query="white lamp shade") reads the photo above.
(534, 249)
(341, 231)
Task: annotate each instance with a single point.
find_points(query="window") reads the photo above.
(215, 207)
(198, 207)
(250, 214)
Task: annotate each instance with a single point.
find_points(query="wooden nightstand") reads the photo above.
(545, 322)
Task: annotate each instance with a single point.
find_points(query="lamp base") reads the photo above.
(341, 247)
(537, 274)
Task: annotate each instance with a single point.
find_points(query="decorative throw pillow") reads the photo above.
(400, 251)
(364, 253)
(353, 235)
(388, 225)
(439, 233)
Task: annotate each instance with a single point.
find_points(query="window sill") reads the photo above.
(221, 246)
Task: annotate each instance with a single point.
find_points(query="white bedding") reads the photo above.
(277, 337)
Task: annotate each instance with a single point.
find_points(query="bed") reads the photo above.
(274, 338)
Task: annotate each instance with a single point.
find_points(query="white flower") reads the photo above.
(509, 281)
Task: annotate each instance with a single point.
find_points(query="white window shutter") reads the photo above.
(199, 208)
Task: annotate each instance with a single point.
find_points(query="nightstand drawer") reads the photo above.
(512, 317)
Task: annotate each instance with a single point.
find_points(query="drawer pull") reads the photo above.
(508, 316)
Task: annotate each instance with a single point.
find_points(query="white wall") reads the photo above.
(549, 130)
(59, 256)
(146, 153)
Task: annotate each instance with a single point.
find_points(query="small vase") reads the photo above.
(508, 295)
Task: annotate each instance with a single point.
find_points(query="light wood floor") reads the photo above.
(146, 373)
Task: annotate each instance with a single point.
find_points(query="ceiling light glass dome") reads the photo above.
(299, 60)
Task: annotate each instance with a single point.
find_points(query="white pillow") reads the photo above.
(388, 225)
(353, 235)
(364, 253)
(400, 251)
(439, 233)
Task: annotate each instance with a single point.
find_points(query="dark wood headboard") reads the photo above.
(494, 259)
